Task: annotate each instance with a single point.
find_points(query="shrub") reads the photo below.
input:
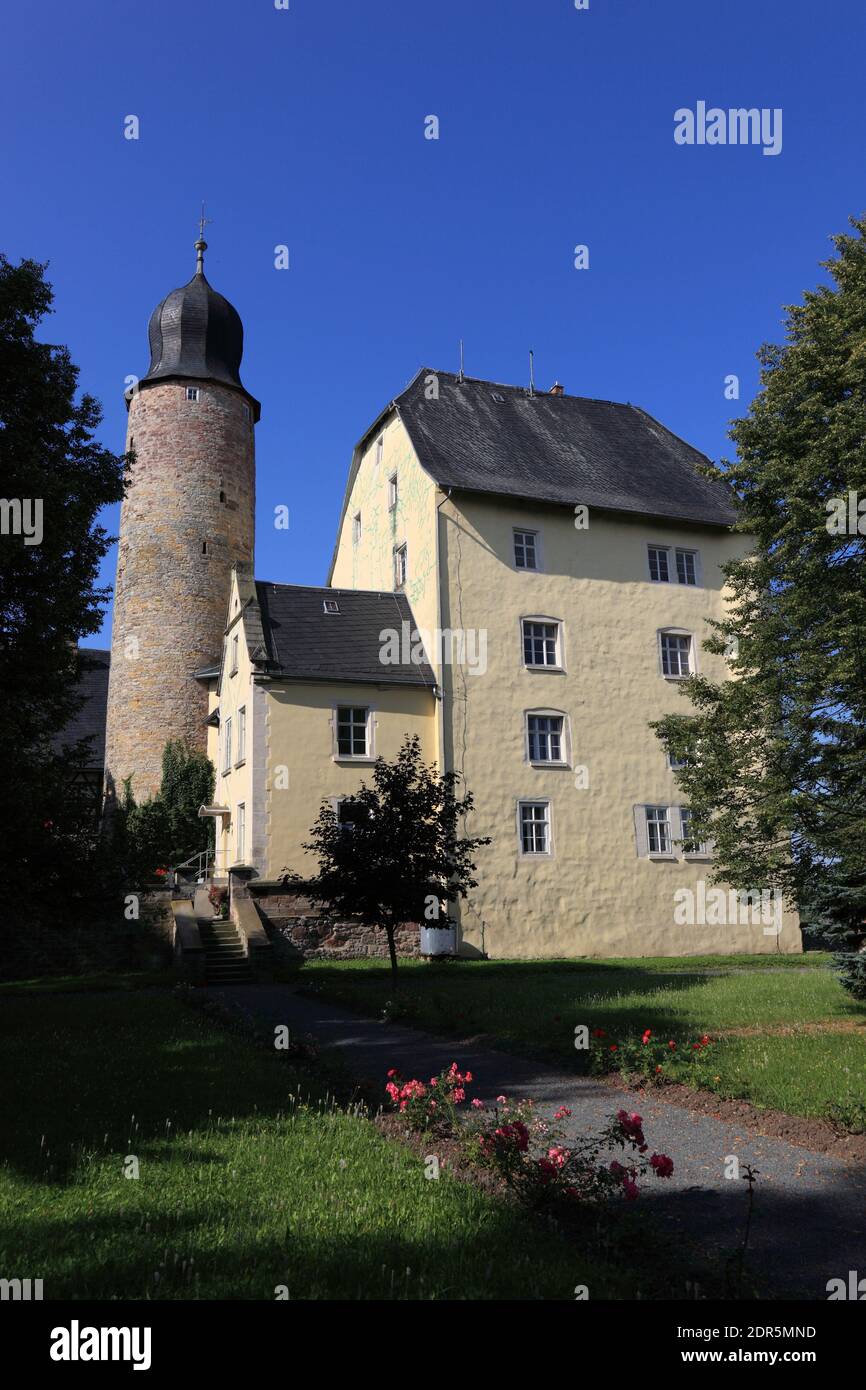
(525, 1150)
(655, 1059)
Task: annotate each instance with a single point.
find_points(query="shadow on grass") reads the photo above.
(110, 1073)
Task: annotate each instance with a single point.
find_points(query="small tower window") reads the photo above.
(192, 393)
(222, 496)
(204, 547)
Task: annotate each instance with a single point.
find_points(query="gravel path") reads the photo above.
(809, 1222)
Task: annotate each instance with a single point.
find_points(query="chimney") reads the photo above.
(556, 389)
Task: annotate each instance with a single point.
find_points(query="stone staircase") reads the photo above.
(226, 959)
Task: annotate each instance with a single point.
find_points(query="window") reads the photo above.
(526, 550)
(240, 833)
(234, 665)
(676, 654)
(241, 740)
(392, 493)
(687, 565)
(380, 449)
(544, 733)
(690, 846)
(658, 829)
(658, 564)
(192, 393)
(349, 813)
(676, 763)
(227, 747)
(534, 827)
(356, 529)
(540, 643)
(401, 566)
(331, 605)
(352, 732)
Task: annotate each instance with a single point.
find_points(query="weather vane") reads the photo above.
(202, 223)
(201, 244)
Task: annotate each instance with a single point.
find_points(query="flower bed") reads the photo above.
(522, 1149)
(652, 1059)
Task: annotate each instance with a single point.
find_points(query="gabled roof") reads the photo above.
(482, 436)
(302, 641)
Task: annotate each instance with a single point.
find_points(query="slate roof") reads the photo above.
(90, 719)
(303, 642)
(196, 333)
(559, 449)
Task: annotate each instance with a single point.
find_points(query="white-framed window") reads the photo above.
(227, 746)
(392, 493)
(533, 819)
(192, 393)
(676, 653)
(233, 668)
(658, 564)
(674, 565)
(330, 605)
(352, 731)
(687, 566)
(658, 829)
(380, 449)
(692, 848)
(676, 763)
(240, 832)
(545, 737)
(526, 550)
(348, 812)
(542, 644)
(401, 566)
(356, 529)
(241, 738)
(662, 831)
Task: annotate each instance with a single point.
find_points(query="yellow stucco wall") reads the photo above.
(291, 763)
(593, 895)
(300, 739)
(235, 692)
(369, 564)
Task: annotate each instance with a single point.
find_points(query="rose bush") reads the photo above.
(656, 1059)
(523, 1148)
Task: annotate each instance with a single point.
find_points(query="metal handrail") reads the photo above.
(201, 862)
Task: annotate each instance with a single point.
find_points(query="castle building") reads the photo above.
(521, 579)
(186, 519)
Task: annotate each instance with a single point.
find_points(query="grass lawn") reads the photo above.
(250, 1176)
(799, 1044)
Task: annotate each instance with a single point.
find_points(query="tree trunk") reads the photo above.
(392, 950)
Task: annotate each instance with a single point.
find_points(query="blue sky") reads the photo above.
(306, 128)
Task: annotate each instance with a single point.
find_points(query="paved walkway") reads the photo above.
(809, 1222)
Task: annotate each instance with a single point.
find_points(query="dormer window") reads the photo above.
(331, 605)
(192, 393)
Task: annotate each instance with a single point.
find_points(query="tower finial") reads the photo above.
(201, 244)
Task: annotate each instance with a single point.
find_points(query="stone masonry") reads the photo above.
(187, 517)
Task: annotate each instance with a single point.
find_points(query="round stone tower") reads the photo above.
(187, 517)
